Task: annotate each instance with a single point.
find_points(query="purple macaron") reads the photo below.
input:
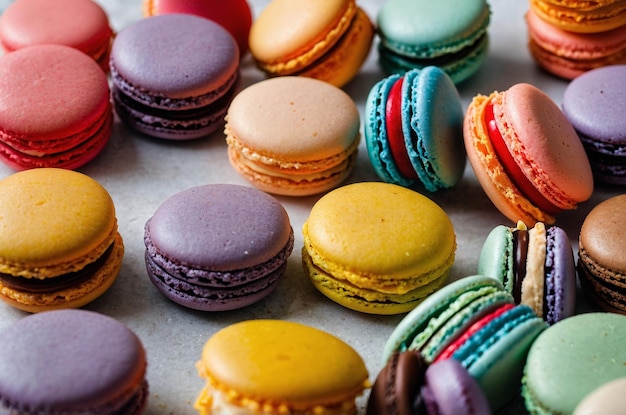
(218, 246)
(71, 362)
(174, 75)
(407, 385)
(594, 104)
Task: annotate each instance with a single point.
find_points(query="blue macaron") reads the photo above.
(414, 130)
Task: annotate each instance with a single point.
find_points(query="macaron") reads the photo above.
(48, 117)
(408, 385)
(278, 366)
(474, 321)
(234, 16)
(174, 75)
(601, 265)
(59, 245)
(293, 136)
(604, 400)
(573, 358)
(526, 155)
(582, 17)
(377, 248)
(328, 41)
(451, 34)
(570, 54)
(218, 246)
(71, 362)
(80, 24)
(592, 103)
(535, 265)
(414, 129)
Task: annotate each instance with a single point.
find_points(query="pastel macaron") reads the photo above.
(293, 136)
(526, 155)
(414, 129)
(601, 266)
(59, 246)
(592, 104)
(174, 75)
(218, 246)
(474, 321)
(570, 54)
(80, 24)
(573, 358)
(236, 17)
(581, 17)
(605, 399)
(72, 362)
(377, 248)
(266, 366)
(535, 265)
(48, 117)
(451, 34)
(408, 385)
(328, 41)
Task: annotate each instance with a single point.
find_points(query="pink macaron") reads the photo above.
(55, 108)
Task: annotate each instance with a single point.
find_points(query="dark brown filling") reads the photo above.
(520, 247)
(48, 285)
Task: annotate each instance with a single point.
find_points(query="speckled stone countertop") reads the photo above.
(140, 173)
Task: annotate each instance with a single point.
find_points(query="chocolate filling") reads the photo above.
(48, 285)
(520, 247)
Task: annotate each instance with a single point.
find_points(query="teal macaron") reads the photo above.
(473, 320)
(414, 130)
(451, 34)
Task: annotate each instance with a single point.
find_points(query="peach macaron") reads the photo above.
(293, 136)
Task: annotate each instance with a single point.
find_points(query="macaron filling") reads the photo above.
(394, 113)
(512, 169)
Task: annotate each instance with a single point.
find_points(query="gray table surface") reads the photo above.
(140, 173)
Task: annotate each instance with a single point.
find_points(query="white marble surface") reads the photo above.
(140, 173)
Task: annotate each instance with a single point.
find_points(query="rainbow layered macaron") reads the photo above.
(414, 129)
(526, 155)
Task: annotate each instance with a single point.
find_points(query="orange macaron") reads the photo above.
(328, 41)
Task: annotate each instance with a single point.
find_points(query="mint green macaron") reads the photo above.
(451, 34)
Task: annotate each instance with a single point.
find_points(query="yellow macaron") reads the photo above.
(377, 247)
(59, 243)
(276, 367)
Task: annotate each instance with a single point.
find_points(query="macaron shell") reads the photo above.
(273, 365)
(38, 208)
(51, 350)
(433, 128)
(496, 256)
(574, 16)
(288, 35)
(63, 72)
(595, 355)
(560, 280)
(155, 56)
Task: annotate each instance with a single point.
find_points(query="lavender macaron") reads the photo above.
(174, 75)
(218, 247)
(594, 104)
(71, 361)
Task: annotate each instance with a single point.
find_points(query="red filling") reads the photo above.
(516, 175)
(479, 324)
(393, 112)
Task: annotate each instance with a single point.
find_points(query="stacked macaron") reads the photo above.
(174, 75)
(475, 321)
(569, 38)
(536, 266)
(451, 34)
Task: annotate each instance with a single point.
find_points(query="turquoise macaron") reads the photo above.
(473, 320)
(451, 34)
(414, 129)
